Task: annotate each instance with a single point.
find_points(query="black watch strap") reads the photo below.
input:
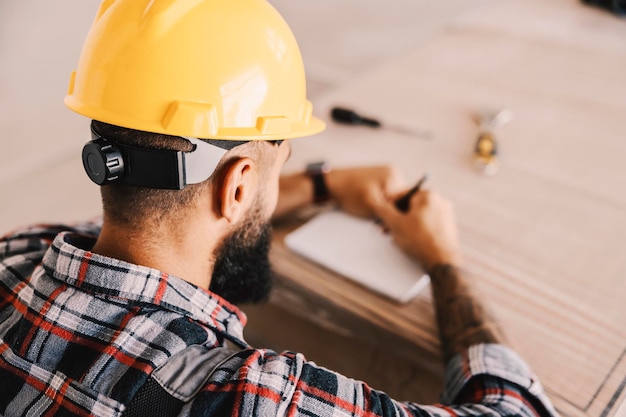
(317, 172)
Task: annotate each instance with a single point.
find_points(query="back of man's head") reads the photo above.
(183, 71)
(133, 206)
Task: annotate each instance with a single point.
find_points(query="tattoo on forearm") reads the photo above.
(461, 317)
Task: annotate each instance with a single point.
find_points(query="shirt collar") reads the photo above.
(121, 280)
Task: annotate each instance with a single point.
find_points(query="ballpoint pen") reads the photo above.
(404, 202)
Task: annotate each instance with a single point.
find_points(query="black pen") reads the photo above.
(404, 202)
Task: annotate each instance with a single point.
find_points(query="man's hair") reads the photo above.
(129, 205)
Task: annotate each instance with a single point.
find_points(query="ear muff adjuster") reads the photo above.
(102, 161)
(106, 161)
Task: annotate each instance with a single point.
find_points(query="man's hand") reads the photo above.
(427, 231)
(356, 190)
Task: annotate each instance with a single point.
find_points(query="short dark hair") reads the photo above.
(129, 205)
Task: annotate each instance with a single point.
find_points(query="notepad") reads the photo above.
(359, 250)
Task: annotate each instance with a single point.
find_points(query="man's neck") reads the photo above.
(176, 250)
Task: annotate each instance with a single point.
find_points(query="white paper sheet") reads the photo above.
(360, 250)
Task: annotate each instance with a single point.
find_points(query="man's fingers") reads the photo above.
(420, 198)
(383, 208)
(394, 182)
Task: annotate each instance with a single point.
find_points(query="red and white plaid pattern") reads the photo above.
(80, 333)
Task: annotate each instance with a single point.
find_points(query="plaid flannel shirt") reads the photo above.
(81, 333)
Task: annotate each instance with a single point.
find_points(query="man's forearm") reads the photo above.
(295, 192)
(461, 317)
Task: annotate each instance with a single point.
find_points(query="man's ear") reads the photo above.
(238, 189)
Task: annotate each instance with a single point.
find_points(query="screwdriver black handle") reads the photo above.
(350, 117)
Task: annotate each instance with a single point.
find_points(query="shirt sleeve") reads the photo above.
(495, 375)
(485, 380)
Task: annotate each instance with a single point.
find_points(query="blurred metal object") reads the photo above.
(486, 149)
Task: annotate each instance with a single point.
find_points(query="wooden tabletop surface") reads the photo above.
(544, 239)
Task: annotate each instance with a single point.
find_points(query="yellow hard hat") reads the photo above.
(218, 69)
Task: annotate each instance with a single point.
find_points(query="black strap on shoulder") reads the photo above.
(153, 400)
(188, 370)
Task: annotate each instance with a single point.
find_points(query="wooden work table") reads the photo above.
(544, 239)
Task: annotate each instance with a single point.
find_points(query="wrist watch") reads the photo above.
(317, 172)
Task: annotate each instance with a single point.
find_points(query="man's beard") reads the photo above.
(242, 272)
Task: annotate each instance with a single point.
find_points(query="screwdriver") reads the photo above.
(350, 117)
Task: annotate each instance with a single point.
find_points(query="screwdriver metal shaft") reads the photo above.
(350, 117)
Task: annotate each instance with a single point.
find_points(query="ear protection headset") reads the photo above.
(106, 162)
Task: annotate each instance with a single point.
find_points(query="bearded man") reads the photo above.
(191, 102)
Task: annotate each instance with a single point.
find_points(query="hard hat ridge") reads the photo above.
(201, 68)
